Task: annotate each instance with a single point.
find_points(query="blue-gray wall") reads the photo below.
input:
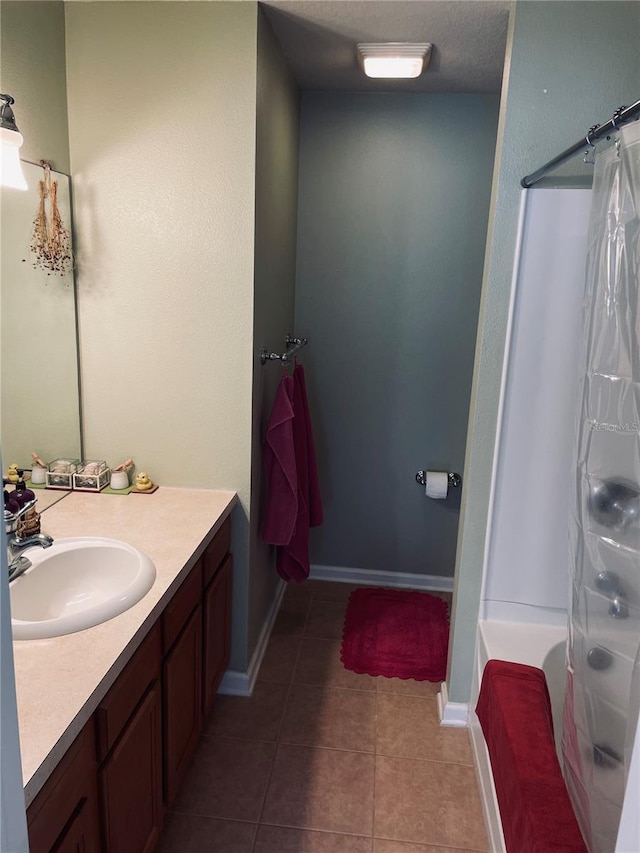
(392, 218)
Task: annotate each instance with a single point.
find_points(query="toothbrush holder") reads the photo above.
(119, 480)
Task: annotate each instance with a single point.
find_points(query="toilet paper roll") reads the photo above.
(437, 484)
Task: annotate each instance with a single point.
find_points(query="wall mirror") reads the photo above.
(39, 377)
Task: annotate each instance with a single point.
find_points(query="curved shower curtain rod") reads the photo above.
(623, 115)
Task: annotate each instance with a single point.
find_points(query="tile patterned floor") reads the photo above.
(322, 760)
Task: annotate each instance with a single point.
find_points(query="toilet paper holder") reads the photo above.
(455, 480)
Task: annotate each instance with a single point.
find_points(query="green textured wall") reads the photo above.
(164, 181)
(277, 120)
(32, 69)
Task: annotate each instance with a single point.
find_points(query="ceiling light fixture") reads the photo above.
(395, 59)
(11, 139)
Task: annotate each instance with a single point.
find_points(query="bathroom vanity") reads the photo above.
(109, 717)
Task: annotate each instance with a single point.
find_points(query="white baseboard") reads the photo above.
(236, 683)
(487, 788)
(402, 580)
(454, 714)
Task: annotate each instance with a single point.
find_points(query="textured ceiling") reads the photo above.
(319, 39)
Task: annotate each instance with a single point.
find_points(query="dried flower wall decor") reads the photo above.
(50, 244)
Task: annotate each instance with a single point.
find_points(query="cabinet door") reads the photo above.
(131, 781)
(64, 815)
(79, 836)
(216, 552)
(217, 631)
(123, 698)
(182, 702)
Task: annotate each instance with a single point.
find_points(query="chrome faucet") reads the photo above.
(16, 561)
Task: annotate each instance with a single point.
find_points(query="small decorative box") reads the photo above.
(91, 476)
(60, 473)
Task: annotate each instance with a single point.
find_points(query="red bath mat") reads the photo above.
(397, 633)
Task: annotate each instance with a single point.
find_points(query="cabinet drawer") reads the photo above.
(69, 792)
(217, 551)
(120, 702)
(181, 605)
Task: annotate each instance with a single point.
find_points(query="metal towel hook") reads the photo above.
(292, 343)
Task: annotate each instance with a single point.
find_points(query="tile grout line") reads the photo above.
(374, 752)
(375, 765)
(284, 713)
(375, 732)
(377, 754)
(286, 705)
(340, 832)
(435, 846)
(204, 816)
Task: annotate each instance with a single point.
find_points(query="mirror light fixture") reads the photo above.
(395, 59)
(11, 139)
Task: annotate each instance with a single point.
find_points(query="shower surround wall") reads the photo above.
(526, 567)
(392, 219)
(523, 608)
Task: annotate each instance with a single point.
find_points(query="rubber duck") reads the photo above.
(13, 475)
(143, 482)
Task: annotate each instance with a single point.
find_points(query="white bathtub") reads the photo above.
(536, 645)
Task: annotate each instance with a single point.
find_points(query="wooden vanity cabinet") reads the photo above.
(131, 781)
(216, 627)
(216, 613)
(129, 730)
(110, 790)
(64, 816)
(197, 639)
(182, 702)
(79, 834)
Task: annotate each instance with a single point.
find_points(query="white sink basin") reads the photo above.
(76, 584)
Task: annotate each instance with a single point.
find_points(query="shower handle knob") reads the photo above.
(618, 609)
(608, 583)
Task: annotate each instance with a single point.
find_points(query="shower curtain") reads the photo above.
(603, 680)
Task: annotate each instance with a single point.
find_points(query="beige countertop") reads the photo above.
(60, 681)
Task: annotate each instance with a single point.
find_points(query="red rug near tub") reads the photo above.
(396, 633)
(515, 714)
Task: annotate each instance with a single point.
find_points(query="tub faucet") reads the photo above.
(16, 561)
